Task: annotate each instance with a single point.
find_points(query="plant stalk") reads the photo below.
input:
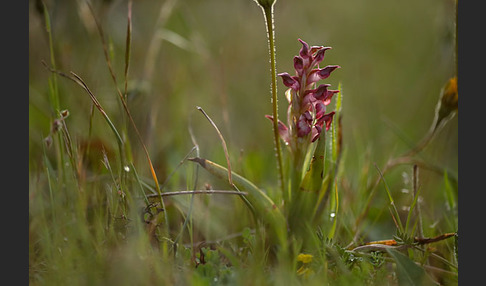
(268, 13)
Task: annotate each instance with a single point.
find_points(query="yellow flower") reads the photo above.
(305, 270)
(305, 258)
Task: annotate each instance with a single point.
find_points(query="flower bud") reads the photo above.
(304, 51)
(448, 103)
(289, 81)
(283, 131)
(320, 54)
(318, 74)
(266, 3)
(48, 141)
(449, 98)
(299, 65)
(303, 126)
(56, 126)
(64, 114)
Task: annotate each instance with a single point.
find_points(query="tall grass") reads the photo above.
(117, 190)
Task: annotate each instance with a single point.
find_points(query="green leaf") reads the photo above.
(393, 208)
(409, 273)
(335, 206)
(314, 176)
(335, 124)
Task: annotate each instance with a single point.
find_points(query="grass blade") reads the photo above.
(393, 210)
(336, 128)
(410, 212)
(139, 181)
(334, 148)
(313, 178)
(53, 79)
(332, 232)
(223, 142)
(128, 45)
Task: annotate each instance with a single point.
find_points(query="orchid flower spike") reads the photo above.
(307, 115)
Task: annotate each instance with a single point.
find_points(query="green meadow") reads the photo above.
(151, 161)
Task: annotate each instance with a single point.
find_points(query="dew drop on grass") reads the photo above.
(406, 178)
(127, 169)
(332, 215)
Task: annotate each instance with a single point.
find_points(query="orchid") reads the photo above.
(306, 113)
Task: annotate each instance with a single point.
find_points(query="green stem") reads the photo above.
(298, 158)
(268, 13)
(54, 96)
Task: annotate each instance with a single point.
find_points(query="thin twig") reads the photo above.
(379, 247)
(177, 167)
(199, 192)
(223, 142)
(393, 244)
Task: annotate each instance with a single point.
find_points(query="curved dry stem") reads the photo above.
(200, 192)
(223, 142)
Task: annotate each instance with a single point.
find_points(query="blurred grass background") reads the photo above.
(395, 56)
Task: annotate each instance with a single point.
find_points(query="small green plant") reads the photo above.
(303, 187)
